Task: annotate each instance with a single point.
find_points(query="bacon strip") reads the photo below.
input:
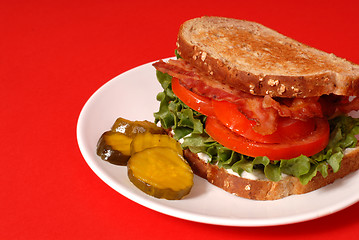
(264, 110)
(297, 108)
(204, 85)
(348, 106)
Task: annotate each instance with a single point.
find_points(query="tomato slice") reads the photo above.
(199, 103)
(313, 143)
(228, 114)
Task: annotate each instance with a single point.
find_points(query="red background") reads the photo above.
(55, 54)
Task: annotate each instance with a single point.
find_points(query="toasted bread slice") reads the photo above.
(265, 189)
(253, 58)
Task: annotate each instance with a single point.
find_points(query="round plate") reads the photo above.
(132, 95)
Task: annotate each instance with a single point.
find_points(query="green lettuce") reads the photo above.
(188, 125)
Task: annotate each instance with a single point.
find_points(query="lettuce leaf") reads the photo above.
(188, 125)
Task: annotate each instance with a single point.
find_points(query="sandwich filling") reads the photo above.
(244, 132)
(264, 111)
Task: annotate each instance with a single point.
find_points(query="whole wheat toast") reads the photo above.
(253, 58)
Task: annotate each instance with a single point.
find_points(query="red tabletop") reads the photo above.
(55, 54)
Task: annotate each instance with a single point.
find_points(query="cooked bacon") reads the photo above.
(177, 68)
(198, 83)
(266, 118)
(333, 105)
(297, 108)
(348, 106)
(264, 110)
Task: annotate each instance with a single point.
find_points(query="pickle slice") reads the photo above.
(148, 140)
(132, 128)
(161, 172)
(114, 147)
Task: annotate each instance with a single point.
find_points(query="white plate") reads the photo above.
(132, 95)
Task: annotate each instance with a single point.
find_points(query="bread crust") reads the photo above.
(264, 189)
(291, 69)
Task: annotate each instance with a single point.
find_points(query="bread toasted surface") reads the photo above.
(253, 58)
(265, 189)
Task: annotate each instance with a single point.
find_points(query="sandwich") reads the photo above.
(259, 114)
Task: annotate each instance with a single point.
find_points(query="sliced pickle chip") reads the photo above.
(114, 147)
(132, 128)
(161, 172)
(148, 140)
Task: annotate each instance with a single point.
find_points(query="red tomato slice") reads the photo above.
(308, 146)
(199, 103)
(287, 128)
